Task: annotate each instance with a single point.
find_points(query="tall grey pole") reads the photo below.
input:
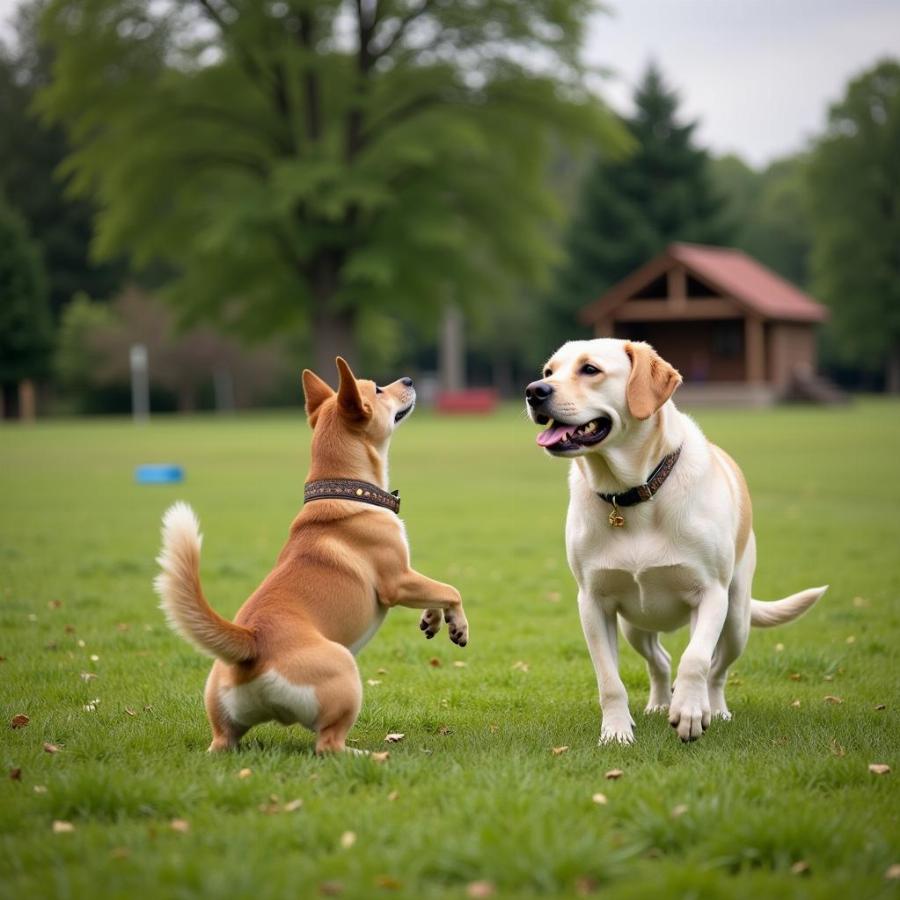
(140, 384)
(452, 353)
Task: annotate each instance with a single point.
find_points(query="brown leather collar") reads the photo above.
(645, 491)
(349, 489)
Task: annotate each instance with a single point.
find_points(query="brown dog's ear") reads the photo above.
(350, 401)
(317, 392)
(652, 380)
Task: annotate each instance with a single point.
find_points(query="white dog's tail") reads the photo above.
(777, 612)
(181, 597)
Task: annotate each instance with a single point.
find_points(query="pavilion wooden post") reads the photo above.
(755, 350)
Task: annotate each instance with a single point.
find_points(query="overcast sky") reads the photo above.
(757, 74)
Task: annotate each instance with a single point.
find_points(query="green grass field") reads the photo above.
(474, 792)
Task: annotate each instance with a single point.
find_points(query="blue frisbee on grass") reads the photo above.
(159, 473)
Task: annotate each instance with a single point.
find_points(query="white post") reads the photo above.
(452, 351)
(140, 384)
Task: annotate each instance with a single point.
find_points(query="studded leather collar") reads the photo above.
(350, 489)
(645, 491)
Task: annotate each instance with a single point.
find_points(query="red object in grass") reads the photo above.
(473, 400)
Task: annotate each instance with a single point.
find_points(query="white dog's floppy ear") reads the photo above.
(317, 392)
(350, 401)
(652, 380)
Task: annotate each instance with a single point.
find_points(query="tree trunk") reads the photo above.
(452, 350)
(892, 371)
(334, 334)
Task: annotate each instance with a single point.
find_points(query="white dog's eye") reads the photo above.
(588, 369)
(548, 373)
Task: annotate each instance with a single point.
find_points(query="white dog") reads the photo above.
(658, 532)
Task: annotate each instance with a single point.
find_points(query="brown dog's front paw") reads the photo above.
(430, 622)
(459, 627)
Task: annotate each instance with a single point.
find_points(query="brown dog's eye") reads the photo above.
(378, 390)
(588, 369)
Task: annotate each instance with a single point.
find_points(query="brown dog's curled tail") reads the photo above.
(181, 597)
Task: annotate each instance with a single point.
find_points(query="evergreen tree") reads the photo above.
(632, 207)
(25, 329)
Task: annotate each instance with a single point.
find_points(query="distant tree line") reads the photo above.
(315, 182)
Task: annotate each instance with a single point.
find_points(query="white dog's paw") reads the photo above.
(718, 706)
(689, 712)
(652, 708)
(617, 728)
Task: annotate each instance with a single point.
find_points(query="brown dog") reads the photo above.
(289, 654)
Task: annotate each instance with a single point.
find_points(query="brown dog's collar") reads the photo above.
(645, 491)
(349, 489)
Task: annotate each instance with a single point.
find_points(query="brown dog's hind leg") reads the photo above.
(226, 734)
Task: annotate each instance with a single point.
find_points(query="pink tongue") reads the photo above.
(554, 435)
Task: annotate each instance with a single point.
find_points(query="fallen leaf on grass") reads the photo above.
(88, 676)
(381, 672)
(331, 888)
(880, 706)
(830, 698)
(245, 773)
(796, 704)
(679, 810)
(520, 665)
(779, 648)
(50, 748)
(61, 827)
(613, 774)
(801, 867)
(40, 789)
(434, 662)
(81, 643)
(388, 882)
(394, 737)
(459, 664)
(879, 769)
(585, 886)
(837, 749)
(481, 889)
(893, 872)
(795, 676)
(553, 596)
(180, 825)
(54, 604)
(69, 629)
(19, 721)
(94, 658)
(393, 795)
(851, 639)
(15, 774)
(445, 729)
(373, 681)
(557, 751)
(293, 805)
(91, 705)
(130, 711)
(600, 799)
(384, 756)
(348, 839)
(123, 626)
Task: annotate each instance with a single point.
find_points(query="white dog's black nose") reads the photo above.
(537, 392)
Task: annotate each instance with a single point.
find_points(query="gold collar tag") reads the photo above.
(616, 519)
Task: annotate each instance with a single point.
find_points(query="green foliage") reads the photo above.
(769, 211)
(306, 160)
(30, 153)
(632, 208)
(25, 328)
(854, 183)
(474, 791)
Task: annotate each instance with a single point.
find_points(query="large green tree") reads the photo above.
(854, 181)
(632, 207)
(305, 160)
(25, 328)
(769, 212)
(30, 153)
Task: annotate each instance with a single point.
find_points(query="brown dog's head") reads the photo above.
(359, 413)
(592, 392)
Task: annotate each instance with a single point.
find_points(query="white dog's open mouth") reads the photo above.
(558, 438)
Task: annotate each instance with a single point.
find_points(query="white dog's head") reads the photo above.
(594, 392)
